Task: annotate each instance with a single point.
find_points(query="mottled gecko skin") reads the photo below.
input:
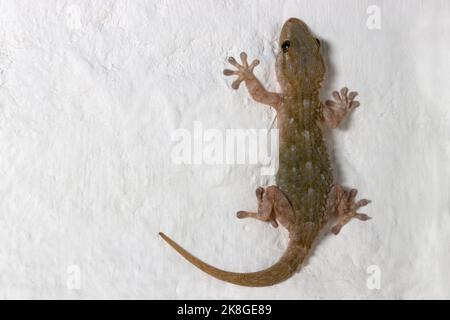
(304, 173)
(305, 197)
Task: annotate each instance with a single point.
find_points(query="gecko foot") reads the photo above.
(334, 112)
(244, 71)
(345, 207)
(265, 208)
(273, 207)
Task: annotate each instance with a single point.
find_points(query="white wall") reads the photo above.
(91, 91)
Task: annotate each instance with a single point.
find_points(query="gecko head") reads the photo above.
(299, 61)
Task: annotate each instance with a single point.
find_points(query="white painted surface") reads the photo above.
(91, 91)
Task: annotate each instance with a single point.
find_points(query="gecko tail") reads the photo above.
(280, 271)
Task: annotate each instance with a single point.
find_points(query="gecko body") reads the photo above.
(305, 197)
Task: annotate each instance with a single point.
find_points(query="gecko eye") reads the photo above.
(285, 46)
(318, 41)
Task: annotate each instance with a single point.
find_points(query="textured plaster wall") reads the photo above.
(91, 92)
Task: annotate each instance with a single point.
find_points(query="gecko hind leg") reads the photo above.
(345, 208)
(272, 205)
(265, 208)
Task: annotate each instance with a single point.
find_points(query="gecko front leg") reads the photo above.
(334, 112)
(255, 88)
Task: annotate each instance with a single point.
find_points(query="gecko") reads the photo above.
(306, 197)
